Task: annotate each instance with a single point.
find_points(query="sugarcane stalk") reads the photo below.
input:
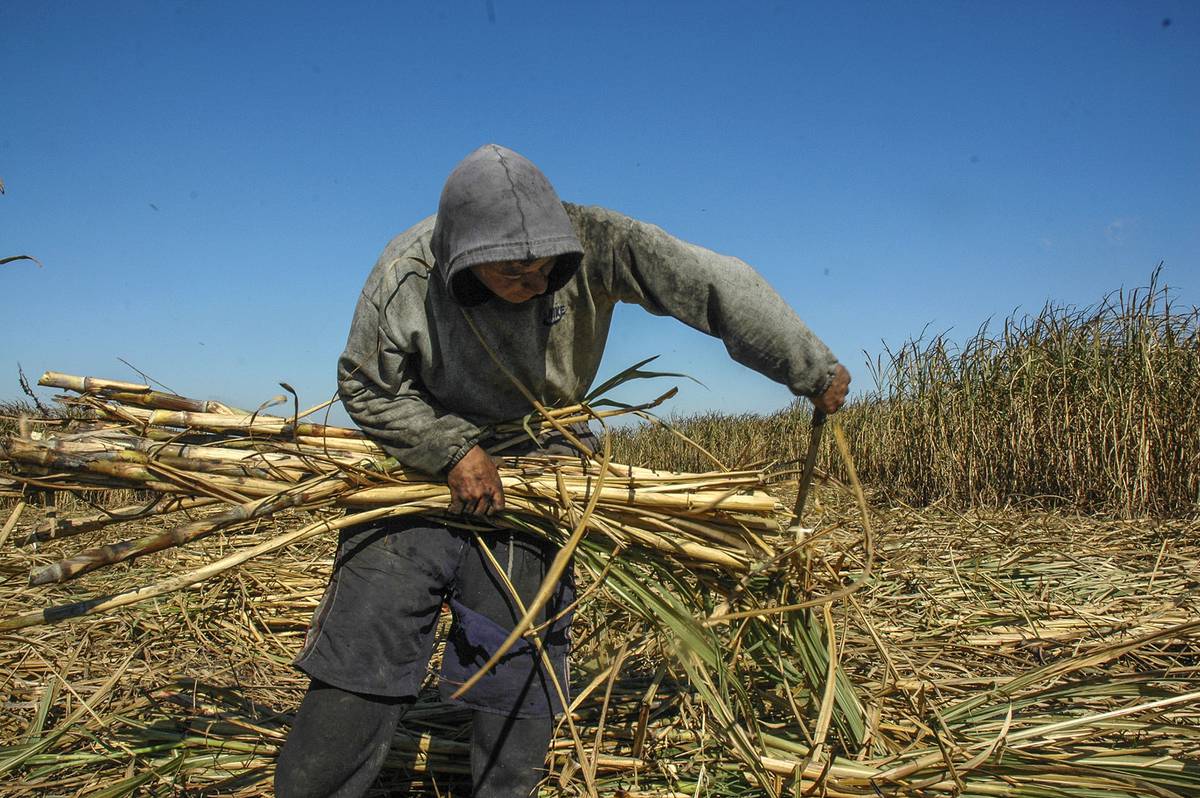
(70, 382)
(68, 527)
(616, 496)
(187, 458)
(219, 422)
(11, 523)
(106, 603)
(669, 524)
(113, 553)
(683, 548)
(136, 470)
(84, 445)
(132, 393)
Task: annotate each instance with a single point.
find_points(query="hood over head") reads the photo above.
(496, 206)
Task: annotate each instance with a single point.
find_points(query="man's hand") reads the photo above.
(475, 487)
(835, 395)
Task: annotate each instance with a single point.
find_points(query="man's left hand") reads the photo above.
(835, 395)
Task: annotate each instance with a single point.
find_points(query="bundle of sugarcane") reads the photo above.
(244, 467)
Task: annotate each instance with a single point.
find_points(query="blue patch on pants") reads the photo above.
(518, 680)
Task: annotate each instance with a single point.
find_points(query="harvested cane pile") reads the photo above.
(199, 454)
(978, 658)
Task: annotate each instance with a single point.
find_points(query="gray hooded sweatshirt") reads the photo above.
(415, 376)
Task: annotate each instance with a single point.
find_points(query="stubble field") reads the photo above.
(1027, 624)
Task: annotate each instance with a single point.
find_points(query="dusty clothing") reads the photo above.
(417, 380)
(374, 630)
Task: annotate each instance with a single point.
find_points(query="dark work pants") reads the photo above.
(369, 646)
(375, 628)
(340, 739)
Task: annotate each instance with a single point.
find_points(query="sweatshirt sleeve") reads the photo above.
(715, 294)
(381, 391)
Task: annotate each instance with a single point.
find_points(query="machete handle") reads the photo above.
(810, 461)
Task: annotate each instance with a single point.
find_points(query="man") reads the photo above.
(506, 284)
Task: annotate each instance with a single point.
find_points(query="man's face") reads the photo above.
(515, 281)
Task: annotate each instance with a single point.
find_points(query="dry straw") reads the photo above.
(977, 655)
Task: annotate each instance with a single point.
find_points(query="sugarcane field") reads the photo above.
(688, 399)
(982, 596)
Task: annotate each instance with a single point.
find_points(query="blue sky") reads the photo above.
(208, 184)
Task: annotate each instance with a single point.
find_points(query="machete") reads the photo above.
(810, 462)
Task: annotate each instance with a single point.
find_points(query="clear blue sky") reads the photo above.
(209, 183)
